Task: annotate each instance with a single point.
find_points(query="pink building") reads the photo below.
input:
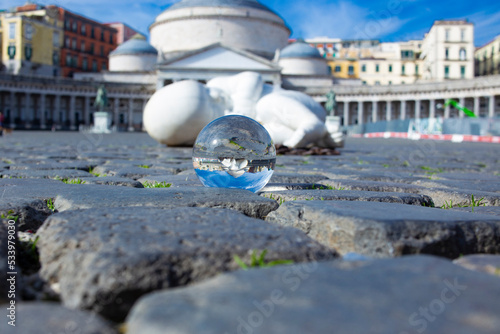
(125, 32)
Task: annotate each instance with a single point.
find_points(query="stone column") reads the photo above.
(374, 111)
(12, 108)
(116, 112)
(432, 108)
(388, 115)
(491, 106)
(86, 111)
(477, 106)
(43, 120)
(72, 110)
(360, 112)
(346, 113)
(447, 111)
(24, 113)
(403, 109)
(57, 110)
(417, 109)
(131, 115)
(460, 112)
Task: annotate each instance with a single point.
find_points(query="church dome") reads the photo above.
(135, 55)
(300, 58)
(220, 3)
(134, 46)
(241, 24)
(300, 50)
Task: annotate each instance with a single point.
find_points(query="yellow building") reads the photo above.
(344, 68)
(32, 37)
(487, 58)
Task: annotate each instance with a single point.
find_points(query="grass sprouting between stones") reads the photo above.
(164, 184)
(259, 261)
(10, 216)
(145, 166)
(91, 171)
(50, 205)
(473, 204)
(70, 181)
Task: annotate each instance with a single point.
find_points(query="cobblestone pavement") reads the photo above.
(391, 236)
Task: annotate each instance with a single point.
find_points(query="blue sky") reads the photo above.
(387, 20)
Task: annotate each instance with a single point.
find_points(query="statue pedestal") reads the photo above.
(102, 122)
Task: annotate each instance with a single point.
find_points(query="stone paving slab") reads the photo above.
(4, 284)
(111, 181)
(484, 210)
(51, 318)
(413, 294)
(388, 229)
(348, 195)
(373, 186)
(279, 177)
(104, 259)
(89, 196)
(176, 181)
(481, 262)
(44, 174)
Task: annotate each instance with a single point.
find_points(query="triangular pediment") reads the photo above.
(219, 57)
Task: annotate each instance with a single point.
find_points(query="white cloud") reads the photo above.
(343, 19)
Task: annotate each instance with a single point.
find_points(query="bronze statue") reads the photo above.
(331, 102)
(101, 100)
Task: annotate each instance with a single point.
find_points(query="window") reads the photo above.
(390, 82)
(85, 64)
(102, 35)
(337, 68)
(110, 38)
(363, 68)
(351, 70)
(403, 70)
(28, 31)
(462, 54)
(55, 39)
(104, 67)
(68, 60)
(447, 72)
(447, 35)
(94, 65)
(390, 67)
(55, 58)
(377, 83)
(12, 30)
(67, 24)
(102, 50)
(377, 68)
(364, 82)
(73, 45)
(92, 48)
(83, 46)
(67, 42)
(447, 53)
(83, 29)
(462, 35)
(416, 69)
(92, 32)
(75, 26)
(462, 72)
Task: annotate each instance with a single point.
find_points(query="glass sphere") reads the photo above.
(234, 152)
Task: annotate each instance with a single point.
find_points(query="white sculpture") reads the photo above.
(177, 113)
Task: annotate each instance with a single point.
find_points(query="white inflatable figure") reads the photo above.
(176, 113)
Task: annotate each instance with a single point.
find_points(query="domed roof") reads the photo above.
(220, 3)
(135, 45)
(300, 49)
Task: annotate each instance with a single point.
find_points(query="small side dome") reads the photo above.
(135, 45)
(135, 55)
(300, 49)
(300, 58)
